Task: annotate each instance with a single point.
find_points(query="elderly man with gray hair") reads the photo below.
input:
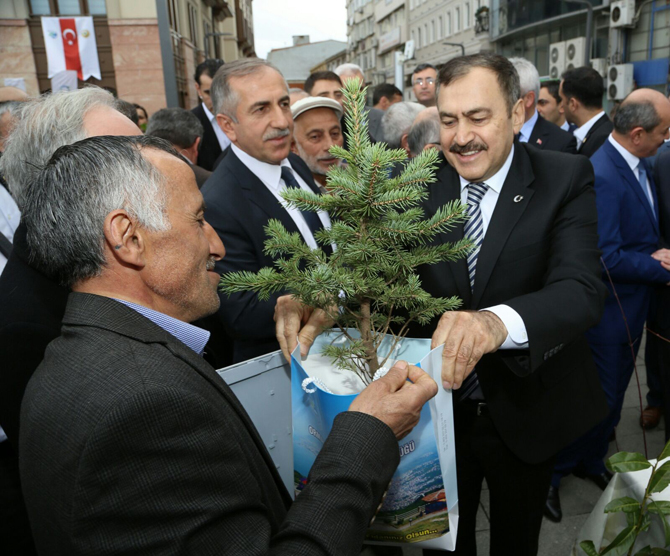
(425, 132)
(130, 442)
(184, 131)
(397, 121)
(32, 304)
(536, 130)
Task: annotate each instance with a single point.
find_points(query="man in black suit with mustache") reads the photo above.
(251, 102)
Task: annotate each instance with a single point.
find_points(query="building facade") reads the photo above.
(633, 37)
(128, 42)
(296, 62)
(379, 32)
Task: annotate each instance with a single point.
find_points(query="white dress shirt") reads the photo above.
(9, 221)
(517, 336)
(270, 175)
(527, 129)
(220, 135)
(634, 164)
(565, 126)
(581, 132)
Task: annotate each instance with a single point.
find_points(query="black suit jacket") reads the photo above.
(210, 149)
(238, 208)
(660, 308)
(596, 136)
(540, 257)
(550, 137)
(132, 444)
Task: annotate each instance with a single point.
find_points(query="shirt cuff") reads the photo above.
(517, 337)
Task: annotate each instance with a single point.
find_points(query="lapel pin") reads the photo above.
(539, 141)
(518, 198)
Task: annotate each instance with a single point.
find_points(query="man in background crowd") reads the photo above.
(582, 91)
(325, 84)
(214, 141)
(128, 110)
(316, 129)
(628, 236)
(536, 130)
(295, 94)
(351, 71)
(184, 131)
(550, 106)
(424, 78)
(142, 117)
(396, 123)
(425, 132)
(385, 95)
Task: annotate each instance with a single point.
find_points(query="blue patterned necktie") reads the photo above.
(311, 218)
(474, 230)
(643, 185)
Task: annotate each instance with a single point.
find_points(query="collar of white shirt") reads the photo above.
(496, 181)
(632, 160)
(269, 174)
(565, 126)
(211, 117)
(582, 131)
(527, 129)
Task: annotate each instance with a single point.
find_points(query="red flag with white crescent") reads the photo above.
(70, 45)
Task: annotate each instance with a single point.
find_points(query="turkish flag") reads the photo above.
(70, 45)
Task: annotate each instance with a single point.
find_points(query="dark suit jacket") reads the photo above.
(238, 208)
(201, 175)
(596, 136)
(550, 137)
(540, 257)
(132, 444)
(210, 149)
(628, 234)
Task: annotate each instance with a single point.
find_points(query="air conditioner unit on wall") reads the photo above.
(556, 59)
(600, 65)
(619, 81)
(622, 13)
(574, 53)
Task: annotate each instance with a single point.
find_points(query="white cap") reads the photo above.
(305, 104)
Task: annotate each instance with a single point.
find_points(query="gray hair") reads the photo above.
(348, 68)
(529, 78)
(224, 98)
(397, 120)
(180, 127)
(630, 115)
(11, 106)
(46, 123)
(422, 133)
(78, 188)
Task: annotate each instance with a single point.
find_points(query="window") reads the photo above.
(467, 15)
(440, 28)
(418, 40)
(425, 34)
(68, 7)
(193, 24)
(97, 7)
(208, 29)
(432, 30)
(40, 7)
(458, 19)
(449, 27)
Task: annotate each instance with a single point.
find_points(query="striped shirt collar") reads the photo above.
(192, 336)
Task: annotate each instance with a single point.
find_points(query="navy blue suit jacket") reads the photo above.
(628, 234)
(239, 207)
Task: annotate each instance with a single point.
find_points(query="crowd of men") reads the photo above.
(115, 225)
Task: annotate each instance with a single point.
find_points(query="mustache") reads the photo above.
(211, 262)
(276, 134)
(472, 146)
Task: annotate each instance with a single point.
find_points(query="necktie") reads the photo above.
(5, 246)
(643, 185)
(474, 230)
(311, 218)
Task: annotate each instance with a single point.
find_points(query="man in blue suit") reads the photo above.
(628, 231)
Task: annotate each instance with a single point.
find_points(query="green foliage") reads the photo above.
(381, 236)
(638, 512)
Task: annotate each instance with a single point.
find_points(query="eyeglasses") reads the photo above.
(428, 81)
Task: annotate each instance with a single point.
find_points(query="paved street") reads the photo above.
(577, 495)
